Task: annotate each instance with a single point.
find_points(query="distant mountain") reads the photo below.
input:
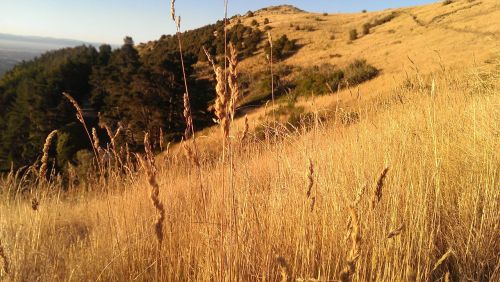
(16, 48)
(40, 40)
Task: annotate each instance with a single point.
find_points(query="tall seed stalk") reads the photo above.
(79, 116)
(45, 157)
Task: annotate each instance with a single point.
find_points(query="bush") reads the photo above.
(379, 21)
(447, 2)
(250, 14)
(282, 48)
(266, 28)
(364, 11)
(257, 86)
(315, 80)
(297, 27)
(266, 21)
(359, 71)
(385, 19)
(254, 23)
(366, 28)
(353, 34)
(325, 14)
(322, 79)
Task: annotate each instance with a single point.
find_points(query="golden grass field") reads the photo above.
(409, 192)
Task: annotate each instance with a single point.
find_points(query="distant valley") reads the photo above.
(15, 48)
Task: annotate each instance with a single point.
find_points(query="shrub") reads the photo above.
(359, 71)
(325, 14)
(252, 41)
(250, 14)
(353, 34)
(254, 23)
(384, 19)
(297, 27)
(366, 28)
(320, 79)
(257, 86)
(447, 2)
(315, 79)
(282, 48)
(364, 11)
(266, 21)
(266, 28)
(376, 22)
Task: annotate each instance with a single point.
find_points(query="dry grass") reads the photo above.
(443, 153)
(433, 216)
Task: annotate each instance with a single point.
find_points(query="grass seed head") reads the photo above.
(45, 156)
(377, 193)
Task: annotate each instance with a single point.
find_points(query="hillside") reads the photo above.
(414, 41)
(390, 175)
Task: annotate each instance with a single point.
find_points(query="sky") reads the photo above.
(109, 21)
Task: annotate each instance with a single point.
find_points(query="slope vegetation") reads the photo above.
(395, 179)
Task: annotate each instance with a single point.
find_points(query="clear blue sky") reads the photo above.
(110, 20)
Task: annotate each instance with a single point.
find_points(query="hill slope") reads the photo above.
(401, 43)
(400, 183)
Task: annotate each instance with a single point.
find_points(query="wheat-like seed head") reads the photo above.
(79, 112)
(187, 117)
(233, 80)
(396, 231)
(270, 39)
(221, 103)
(209, 58)
(359, 195)
(310, 178)
(109, 132)
(95, 138)
(178, 23)
(45, 156)
(245, 130)
(148, 164)
(377, 193)
(442, 259)
(147, 149)
(310, 183)
(172, 9)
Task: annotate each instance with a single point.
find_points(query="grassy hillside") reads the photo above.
(395, 179)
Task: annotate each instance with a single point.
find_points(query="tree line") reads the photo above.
(138, 88)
